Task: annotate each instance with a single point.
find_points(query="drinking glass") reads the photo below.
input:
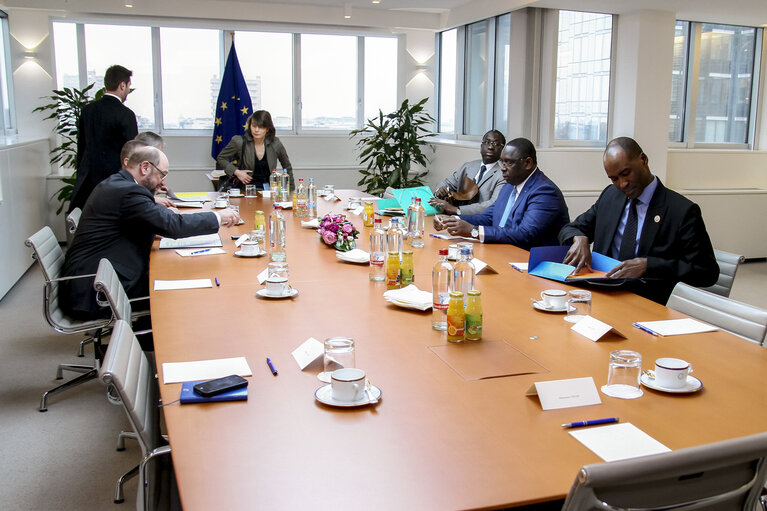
(578, 305)
(250, 191)
(278, 269)
(623, 375)
(339, 353)
(470, 246)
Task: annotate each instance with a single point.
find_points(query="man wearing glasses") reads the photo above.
(529, 211)
(119, 222)
(485, 173)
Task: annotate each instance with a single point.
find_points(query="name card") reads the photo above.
(569, 393)
(239, 240)
(266, 194)
(263, 275)
(593, 329)
(308, 352)
(358, 210)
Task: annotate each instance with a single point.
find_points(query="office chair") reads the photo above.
(739, 318)
(127, 370)
(73, 218)
(723, 475)
(728, 267)
(48, 253)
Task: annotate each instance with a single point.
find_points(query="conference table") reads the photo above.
(436, 439)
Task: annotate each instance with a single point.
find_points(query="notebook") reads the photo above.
(188, 395)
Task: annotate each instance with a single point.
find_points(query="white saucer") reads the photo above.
(219, 207)
(691, 385)
(240, 254)
(324, 395)
(263, 294)
(235, 196)
(541, 307)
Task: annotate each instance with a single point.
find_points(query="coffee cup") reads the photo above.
(235, 192)
(671, 373)
(220, 203)
(249, 248)
(348, 384)
(276, 286)
(554, 298)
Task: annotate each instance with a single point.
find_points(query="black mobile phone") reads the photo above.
(219, 385)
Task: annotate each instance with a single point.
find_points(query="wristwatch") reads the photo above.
(457, 211)
(475, 233)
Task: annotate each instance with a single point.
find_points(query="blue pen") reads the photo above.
(271, 366)
(200, 251)
(645, 329)
(592, 422)
(217, 282)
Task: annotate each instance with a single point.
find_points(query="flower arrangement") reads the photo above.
(336, 231)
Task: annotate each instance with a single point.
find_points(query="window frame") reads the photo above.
(8, 126)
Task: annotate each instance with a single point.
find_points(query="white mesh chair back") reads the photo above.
(108, 283)
(726, 475)
(739, 318)
(728, 267)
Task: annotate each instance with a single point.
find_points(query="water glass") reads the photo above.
(259, 238)
(339, 353)
(578, 305)
(329, 190)
(623, 375)
(278, 270)
(250, 191)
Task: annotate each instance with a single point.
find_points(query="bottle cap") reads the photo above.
(465, 250)
(474, 292)
(377, 220)
(443, 251)
(456, 294)
(418, 200)
(277, 207)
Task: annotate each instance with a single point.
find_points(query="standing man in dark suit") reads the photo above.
(486, 173)
(119, 222)
(655, 232)
(105, 125)
(529, 211)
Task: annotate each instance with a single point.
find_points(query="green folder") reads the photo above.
(405, 195)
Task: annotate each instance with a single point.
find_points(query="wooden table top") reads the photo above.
(435, 440)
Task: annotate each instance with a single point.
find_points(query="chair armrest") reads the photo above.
(73, 277)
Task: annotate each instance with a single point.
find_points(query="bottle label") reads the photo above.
(440, 306)
(376, 262)
(455, 327)
(474, 326)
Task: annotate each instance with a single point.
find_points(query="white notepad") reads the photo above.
(166, 285)
(676, 326)
(176, 372)
(618, 441)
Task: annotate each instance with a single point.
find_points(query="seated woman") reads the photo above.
(255, 152)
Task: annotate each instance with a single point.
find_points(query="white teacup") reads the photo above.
(348, 384)
(220, 203)
(554, 298)
(671, 373)
(235, 192)
(276, 286)
(249, 248)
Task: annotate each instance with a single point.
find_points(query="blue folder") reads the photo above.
(405, 195)
(188, 395)
(547, 262)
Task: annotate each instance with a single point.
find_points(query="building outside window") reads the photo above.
(448, 45)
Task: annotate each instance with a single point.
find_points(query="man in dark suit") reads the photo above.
(657, 233)
(529, 211)
(119, 222)
(104, 127)
(486, 173)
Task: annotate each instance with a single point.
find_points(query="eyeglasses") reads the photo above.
(492, 143)
(163, 174)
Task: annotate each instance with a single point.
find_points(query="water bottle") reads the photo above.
(394, 236)
(377, 252)
(277, 235)
(463, 276)
(415, 226)
(276, 190)
(284, 186)
(311, 199)
(273, 183)
(442, 284)
(300, 199)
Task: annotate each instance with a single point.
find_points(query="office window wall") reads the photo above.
(448, 55)
(177, 73)
(679, 81)
(583, 77)
(7, 124)
(477, 83)
(502, 56)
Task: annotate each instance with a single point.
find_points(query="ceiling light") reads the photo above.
(347, 11)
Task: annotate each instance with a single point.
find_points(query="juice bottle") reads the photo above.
(406, 270)
(392, 270)
(259, 221)
(369, 213)
(456, 318)
(474, 316)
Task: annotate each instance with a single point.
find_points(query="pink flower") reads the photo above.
(348, 228)
(332, 227)
(329, 237)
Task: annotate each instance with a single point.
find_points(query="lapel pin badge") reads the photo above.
(657, 218)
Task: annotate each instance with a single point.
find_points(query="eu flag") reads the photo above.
(233, 106)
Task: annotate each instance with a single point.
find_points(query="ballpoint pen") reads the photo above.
(200, 251)
(218, 283)
(645, 329)
(271, 366)
(592, 422)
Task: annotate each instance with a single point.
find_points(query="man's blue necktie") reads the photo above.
(482, 170)
(509, 204)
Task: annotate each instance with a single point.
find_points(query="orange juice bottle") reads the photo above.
(456, 317)
(392, 270)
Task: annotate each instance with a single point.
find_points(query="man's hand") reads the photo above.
(243, 176)
(457, 227)
(579, 254)
(629, 269)
(229, 217)
(441, 192)
(438, 222)
(443, 205)
(164, 201)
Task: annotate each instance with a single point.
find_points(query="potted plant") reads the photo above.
(390, 144)
(66, 106)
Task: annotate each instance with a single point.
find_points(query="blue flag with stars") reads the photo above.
(233, 106)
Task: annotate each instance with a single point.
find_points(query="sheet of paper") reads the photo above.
(308, 352)
(263, 275)
(166, 285)
(676, 326)
(176, 372)
(519, 266)
(445, 236)
(182, 204)
(594, 329)
(569, 393)
(194, 252)
(618, 441)
(204, 241)
(192, 196)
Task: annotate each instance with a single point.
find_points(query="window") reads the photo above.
(583, 76)
(475, 92)
(6, 83)
(266, 60)
(328, 82)
(448, 44)
(502, 56)
(65, 53)
(190, 76)
(679, 81)
(380, 80)
(101, 52)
